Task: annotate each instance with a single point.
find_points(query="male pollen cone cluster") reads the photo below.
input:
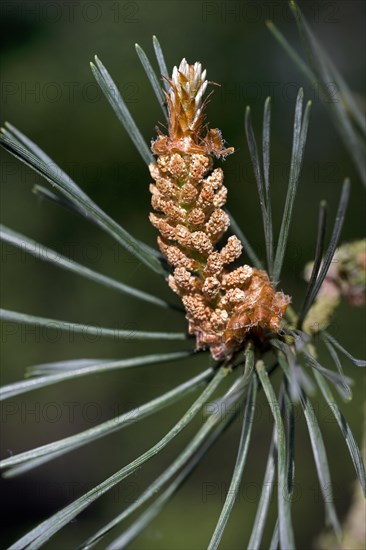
(224, 305)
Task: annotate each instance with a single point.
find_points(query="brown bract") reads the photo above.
(224, 305)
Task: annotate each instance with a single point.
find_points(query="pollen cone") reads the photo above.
(224, 305)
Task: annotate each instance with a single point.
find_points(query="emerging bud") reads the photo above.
(186, 115)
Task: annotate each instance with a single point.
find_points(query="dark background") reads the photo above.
(48, 92)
